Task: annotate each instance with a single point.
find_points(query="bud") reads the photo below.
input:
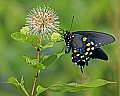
(24, 30)
(56, 37)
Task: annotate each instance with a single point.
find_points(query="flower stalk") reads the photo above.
(37, 73)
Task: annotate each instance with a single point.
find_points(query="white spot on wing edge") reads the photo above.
(92, 43)
(92, 48)
(73, 36)
(90, 53)
(75, 63)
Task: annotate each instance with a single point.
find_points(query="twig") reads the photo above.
(37, 73)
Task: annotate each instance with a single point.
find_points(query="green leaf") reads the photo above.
(22, 81)
(33, 40)
(60, 54)
(40, 89)
(14, 81)
(30, 61)
(18, 36)
(48, 60)
(34, 63)
(48, 45)
(38, 66)
(97, 83)
(73, 87)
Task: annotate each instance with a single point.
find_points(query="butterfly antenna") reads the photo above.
(61, 29)
(71, 23)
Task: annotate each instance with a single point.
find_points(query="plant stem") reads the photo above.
(37, 71)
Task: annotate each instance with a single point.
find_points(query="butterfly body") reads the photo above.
(85, 45)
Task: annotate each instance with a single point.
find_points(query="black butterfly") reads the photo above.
(86, 45)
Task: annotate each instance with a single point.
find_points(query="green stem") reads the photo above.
(23, 88)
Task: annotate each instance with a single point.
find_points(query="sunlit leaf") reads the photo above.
(73, 87)
(14, 81)
(34, 63)
(60, 54)
(38, 66)
(18, 36)
(28, 60)
(40, 89)
(48, 60)
(48, 45)
(33, 40)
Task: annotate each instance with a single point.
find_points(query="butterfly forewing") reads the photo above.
(98, 38)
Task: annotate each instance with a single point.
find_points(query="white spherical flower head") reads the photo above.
(42, 21)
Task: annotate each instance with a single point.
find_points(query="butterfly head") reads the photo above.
(67, 32)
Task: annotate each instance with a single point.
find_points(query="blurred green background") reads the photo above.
(99, 15)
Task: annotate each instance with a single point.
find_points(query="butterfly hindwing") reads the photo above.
(82, 48)
(99, 54)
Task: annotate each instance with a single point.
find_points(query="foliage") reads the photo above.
(60, 87)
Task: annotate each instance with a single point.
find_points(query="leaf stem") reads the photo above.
(22, 87)
(37, 71)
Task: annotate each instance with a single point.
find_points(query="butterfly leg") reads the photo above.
(81, 68)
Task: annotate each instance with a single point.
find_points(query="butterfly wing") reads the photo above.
(98, 38)
(85, 45)
(99, 54)
(82, 48)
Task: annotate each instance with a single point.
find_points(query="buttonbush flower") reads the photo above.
(42, 21)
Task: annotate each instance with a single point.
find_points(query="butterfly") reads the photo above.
(85, 45)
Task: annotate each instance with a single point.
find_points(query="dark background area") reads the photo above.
(98, 15)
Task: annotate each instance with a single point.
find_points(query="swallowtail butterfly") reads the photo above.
(85, 45)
